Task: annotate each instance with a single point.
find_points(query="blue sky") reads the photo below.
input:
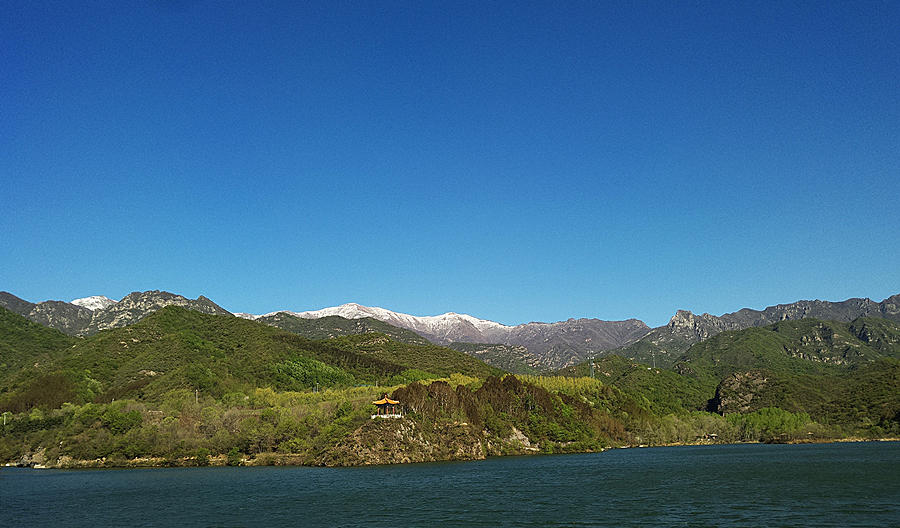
(516, 161)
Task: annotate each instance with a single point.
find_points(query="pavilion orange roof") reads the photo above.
(385, 401)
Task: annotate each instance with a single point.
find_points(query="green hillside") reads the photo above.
(430, 358)
(24, 343)
(658, 390)
(336, 326)
(506, 358)
(658, 347)
(176, 348)
(806, 346)
(840, 373)
(182, 386)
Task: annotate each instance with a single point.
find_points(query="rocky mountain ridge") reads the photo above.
(332, 326)
(702, 327)
(75, 319)
(665, 343)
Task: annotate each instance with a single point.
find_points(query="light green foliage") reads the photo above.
(772, 423)
(685, 429)
(565, 384)
(410, 375)
(303, 373)
(344, 409)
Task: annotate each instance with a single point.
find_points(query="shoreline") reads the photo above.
(298, 460)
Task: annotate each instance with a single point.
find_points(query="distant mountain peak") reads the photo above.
(97, 302)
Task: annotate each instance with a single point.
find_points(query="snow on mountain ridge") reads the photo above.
(94, 303)
(461, 328)
(449, 326)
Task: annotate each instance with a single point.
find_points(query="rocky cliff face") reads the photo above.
(14, 304)
(695, 328)
(73, 319)
(401, 441)
(739, 393)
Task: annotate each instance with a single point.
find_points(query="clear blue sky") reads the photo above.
(520, 161)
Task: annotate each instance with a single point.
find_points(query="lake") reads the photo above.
(843, 484)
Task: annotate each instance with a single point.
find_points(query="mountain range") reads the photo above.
(663, 345)
(90, 315)
(537, 346)
(555, 345)
(180, 385)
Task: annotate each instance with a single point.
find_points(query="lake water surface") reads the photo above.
(729, 485)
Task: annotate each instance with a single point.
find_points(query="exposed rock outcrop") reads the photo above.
(73, 319)
(137, 305)
(736, 393)
(403, 441)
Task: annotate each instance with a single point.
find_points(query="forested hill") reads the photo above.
(807, 346)
(175, 348)
(666, 343)
(337, 326)
(24, 343)
(837, 372)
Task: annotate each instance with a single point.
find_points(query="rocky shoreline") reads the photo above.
(351, 452)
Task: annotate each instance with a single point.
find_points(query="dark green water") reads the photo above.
(738, 485)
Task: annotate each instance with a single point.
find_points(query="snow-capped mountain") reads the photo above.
(97, 302)
(446, 328)
(560, 343)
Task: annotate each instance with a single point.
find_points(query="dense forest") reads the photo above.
(186, 388)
